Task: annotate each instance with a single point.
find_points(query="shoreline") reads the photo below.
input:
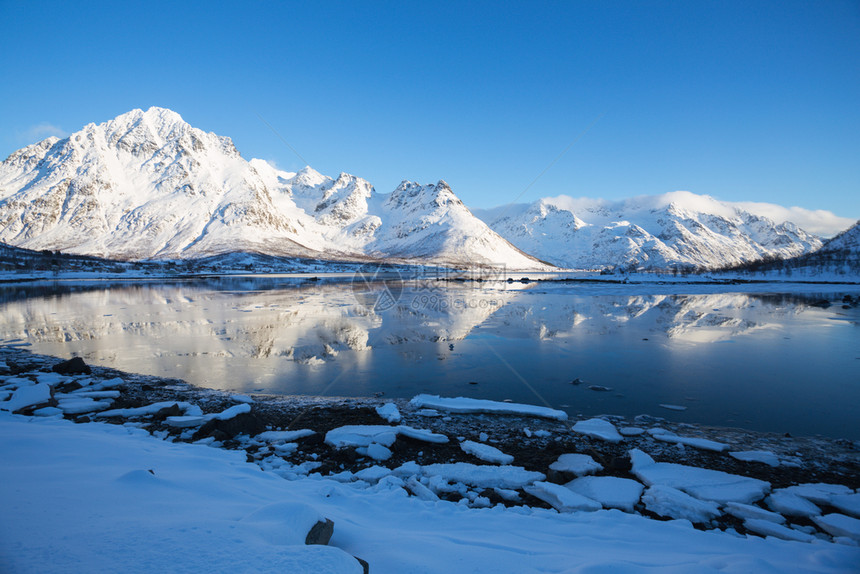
(533, 442)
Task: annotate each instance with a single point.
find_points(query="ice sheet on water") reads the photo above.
(466, 405)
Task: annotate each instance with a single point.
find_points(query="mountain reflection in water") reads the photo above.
(767, 361)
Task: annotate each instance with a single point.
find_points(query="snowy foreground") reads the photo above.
(100, 497)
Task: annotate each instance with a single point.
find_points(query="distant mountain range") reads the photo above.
(664, 231)
(146, 185)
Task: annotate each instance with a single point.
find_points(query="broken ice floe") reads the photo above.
(671, 502)
(762, 456)
(598, 428)
(466, 405)
(668, 436)
(703, 483)
(609, 491)
(561, 498)
(486, 452)
(577, 464)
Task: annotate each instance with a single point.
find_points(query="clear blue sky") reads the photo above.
(745, 101)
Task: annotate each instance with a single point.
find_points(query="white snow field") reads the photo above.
(96, 497)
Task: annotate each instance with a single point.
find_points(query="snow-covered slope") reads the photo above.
(652, 232)
(848, 241)
(148, 185)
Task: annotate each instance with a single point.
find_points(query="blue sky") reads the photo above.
(744, 101)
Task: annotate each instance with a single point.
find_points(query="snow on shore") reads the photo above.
(81, 497)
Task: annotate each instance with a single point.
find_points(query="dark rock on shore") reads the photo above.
(320, 533)
(245, 423)
(74, 366)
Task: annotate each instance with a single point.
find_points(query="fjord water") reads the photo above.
(766, 357)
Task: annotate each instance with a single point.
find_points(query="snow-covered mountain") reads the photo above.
(651, 232)
(148, 185)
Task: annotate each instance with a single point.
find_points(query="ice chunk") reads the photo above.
(848, 503)
(561, 498)
(410, 468)
(703, 483)
(695, 442)
(507, 494)
(630, 431)
(230, 413)
(465, 405)
(673, 503)
(89, 394)
(85, 405)
(389, 412)
(818, 492)
(839, 525)
(420, 490)
(578, 464)
(372, 473)
(28, 396)
(762, 456)
(673, 407)
(598, 428)
(378, 452)
(486, 452)
(361, 435)
(486, 476)
(286, 448)
(286, 435)
(185, 421)
(790, 504)
(48, 412)
(151, 409)
(610, 491)
(242, 399)
(52, 379)
(769, 528)
(108, 384)
(748, 511)
(421, 434)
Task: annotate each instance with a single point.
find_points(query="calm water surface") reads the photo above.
(771, 360)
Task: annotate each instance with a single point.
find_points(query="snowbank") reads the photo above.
(81, 498)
